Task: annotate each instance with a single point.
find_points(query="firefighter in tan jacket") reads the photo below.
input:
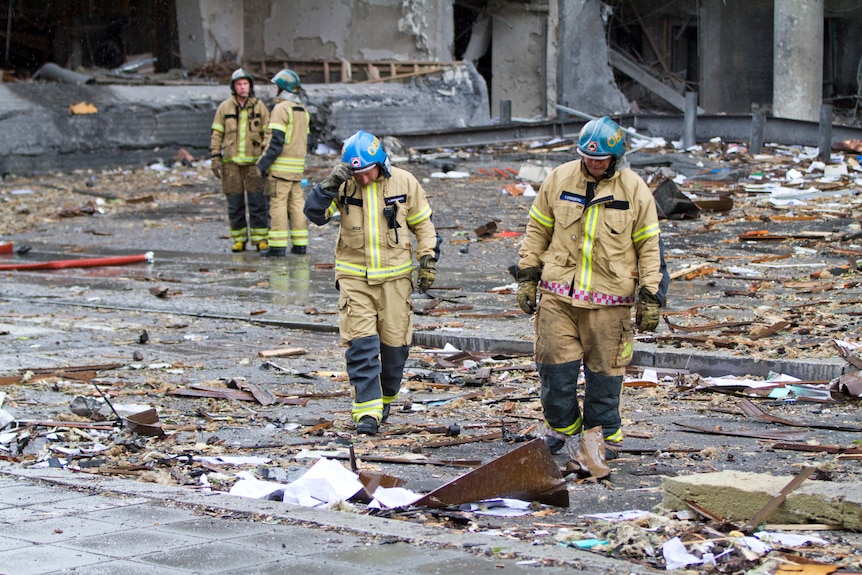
(235, 145)
(380, 207)
(592, 249)
(284, 160)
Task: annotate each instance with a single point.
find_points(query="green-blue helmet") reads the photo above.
(601, 139)
(287, 80)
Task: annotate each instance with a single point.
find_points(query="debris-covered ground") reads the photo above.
(239, 357)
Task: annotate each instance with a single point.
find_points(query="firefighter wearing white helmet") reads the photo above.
(284, 161)
(236, 143)
(380, 207)
(592, 251)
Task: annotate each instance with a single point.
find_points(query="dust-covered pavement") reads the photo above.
(200, 316)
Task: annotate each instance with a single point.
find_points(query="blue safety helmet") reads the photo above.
(287, 80)
(362, 151)
(601, 139)
(240, 73)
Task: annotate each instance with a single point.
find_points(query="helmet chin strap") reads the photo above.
(612, 168)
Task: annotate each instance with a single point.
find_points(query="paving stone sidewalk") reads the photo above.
(55, 521)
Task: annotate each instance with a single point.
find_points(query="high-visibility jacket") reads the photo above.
(374, 236)
(286, 141)
(238, 130)
(594, 252)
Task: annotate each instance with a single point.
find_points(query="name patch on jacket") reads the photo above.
(395, 199)
(572, 197)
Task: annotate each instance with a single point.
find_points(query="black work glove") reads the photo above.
(427, 273)
(528, 281)
(647, 311)
(340, 174)
(216, 166)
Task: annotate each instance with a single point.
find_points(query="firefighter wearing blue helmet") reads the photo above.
(591, 251)
(380, 207)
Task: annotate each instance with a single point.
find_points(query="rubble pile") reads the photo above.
(191, 371)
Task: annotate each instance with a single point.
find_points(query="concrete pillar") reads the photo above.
(585, 79)
(824, 134)
(689, 132)
(798, 59)
(758, 129)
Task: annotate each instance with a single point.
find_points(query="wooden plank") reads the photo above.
(282, 352)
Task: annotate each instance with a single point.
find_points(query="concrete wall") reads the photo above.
(532, 42)
(315, 30)
(210, 30)
(586, 82)
(519, 41)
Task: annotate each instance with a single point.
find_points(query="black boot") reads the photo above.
(299, 250)
(367, 425)
(274, 253)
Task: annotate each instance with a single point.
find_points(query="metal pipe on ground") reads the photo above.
(51, 71)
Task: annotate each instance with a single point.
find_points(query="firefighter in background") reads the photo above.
(284, 160)
(380, 206)
(592, 249)
(236, 144)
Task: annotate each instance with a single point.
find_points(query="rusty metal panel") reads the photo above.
(528, 473)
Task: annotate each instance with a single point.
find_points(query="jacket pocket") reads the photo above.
(353, 238)
(567, 213)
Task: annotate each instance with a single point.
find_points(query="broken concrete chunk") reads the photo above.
(737, 496)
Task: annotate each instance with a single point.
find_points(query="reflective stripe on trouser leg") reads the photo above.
(392, 360)
(560, 398)
(298, 223)
(602, 404)
(236, 217)
(363, 369)
(258, 216)
(278, 213)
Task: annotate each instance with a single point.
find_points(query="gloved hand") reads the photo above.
(340, 174)
(528, 281)
(427, 273)
(216, 166)
(647, 311)
(262, 171)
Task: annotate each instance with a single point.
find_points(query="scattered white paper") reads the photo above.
(499, 507)
(449, 175)
(393, 497)
(326, 482)
(676, 556)
(790, 539)
(255, 488)
(619, 515)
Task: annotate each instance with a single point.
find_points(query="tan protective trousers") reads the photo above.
(385, 310)
(601, 338)
(287, 221)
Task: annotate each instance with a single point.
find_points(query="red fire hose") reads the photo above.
(85, 263)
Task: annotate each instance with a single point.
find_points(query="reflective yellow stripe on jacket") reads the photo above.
(373, 243)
